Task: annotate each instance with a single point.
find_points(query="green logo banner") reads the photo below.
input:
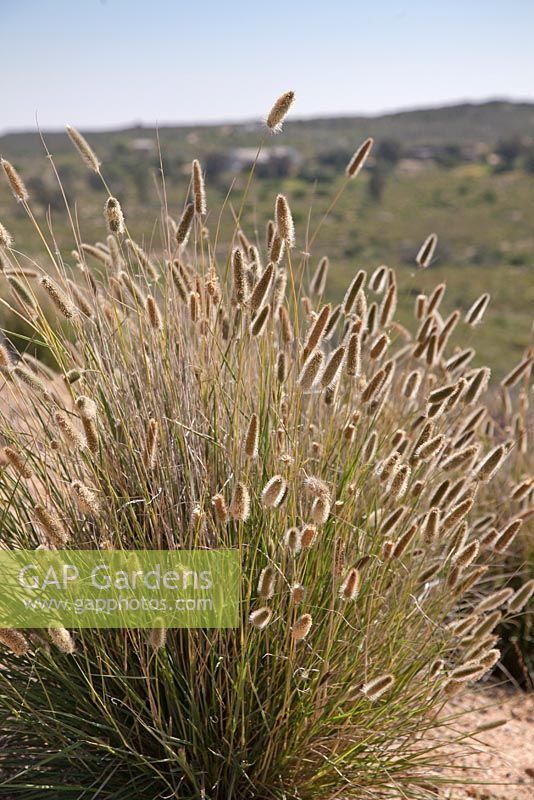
(119, 589)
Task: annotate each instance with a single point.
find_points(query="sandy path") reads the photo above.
(502, 759)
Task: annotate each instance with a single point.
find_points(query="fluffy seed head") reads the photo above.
(184, 226)
(476, 312)
(378, 686)
(302, 627)
(240, 505)
(284, 221)
(426, 251)
(14, 640)
(15, 181)
(349, 587)
(114, 216)
(62, 639)
(260, 617)
(199, 189)
(6, 240)
(83, 148)
(359, 158)
(274, 492)
(279, 111)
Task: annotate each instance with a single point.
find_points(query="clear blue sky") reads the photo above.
(100, 63)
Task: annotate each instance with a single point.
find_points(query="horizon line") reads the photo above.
(241, 121)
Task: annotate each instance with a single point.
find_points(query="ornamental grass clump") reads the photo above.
(172, 418)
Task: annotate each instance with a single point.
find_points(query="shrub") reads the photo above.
(341, 456)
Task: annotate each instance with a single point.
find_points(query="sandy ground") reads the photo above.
(500, 765)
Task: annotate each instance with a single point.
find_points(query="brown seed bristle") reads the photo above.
(151, 445)
(388, 307)
(464, 557)
(477, 385)
(199, 189)
(73, 436)
(86, 498)
(158, 637)
(431, 528)
(253, 437)
(489, 466)
(30, 380)
(420, 307)
(349, 588)
(281, 371)
(266, 583)
(461, 359)
(436, 297)
(22, 294)
(378, 279)
(19, 462)
(285, 326)
(426, 251)
(359, 158)
(261, 288)
(316, 331)
(310, 370)
(493, 601)
(240, 284)
(260, 617)
(515, 375)
(430, 448)
(437, 395)
(14, 640)
(392, 520)
(318, 281)
(333, 367)
(467, 672)
(320, 510)
(292, 541)
(83, 148)
(54, 529)
(284, 221)
(302, 627)
(507, 535)
(279, 111)
(457, 513)
(258, 325)
(274, 492)
(399, 483)
(353, 363)
(277, 249)
(221, 511)
(62, 639)
(521, 597)
(114, 217)
(373, 387)
(356, 286)
(240, 504)
(6, 240)
(404, 541)
(308, 535)
(184, 225)
(379, 347)
(79, 299)
(154, 314)
(375, 688)
(476, 312)
(15, 181)
(457, 460)
(412, 384)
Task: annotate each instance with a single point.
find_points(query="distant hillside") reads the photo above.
(460, 124)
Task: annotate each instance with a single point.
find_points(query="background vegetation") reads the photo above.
(465, 172)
